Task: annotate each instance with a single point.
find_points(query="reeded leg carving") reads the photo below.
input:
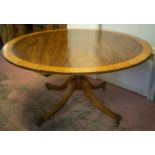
(85, 86)
(68, 93)
(55, 87)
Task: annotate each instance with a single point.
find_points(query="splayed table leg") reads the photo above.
(79, 83)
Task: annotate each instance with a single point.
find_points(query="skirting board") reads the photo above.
(149, 93)
(123, 85)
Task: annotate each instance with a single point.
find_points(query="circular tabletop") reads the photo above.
(76, 51)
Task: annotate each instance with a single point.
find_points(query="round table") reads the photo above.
(77, 53)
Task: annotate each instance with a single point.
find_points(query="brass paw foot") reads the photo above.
(118, 119)
(40, 121)
(104, 85)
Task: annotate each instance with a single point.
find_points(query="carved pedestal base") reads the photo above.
(71, 84)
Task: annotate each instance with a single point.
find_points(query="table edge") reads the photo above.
(143, 56)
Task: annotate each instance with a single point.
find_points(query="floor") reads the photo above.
(24, 98)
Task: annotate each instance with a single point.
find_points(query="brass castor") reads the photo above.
(40, 121)
(118, 119)
(104, 86)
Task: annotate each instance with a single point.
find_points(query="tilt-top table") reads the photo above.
(77, 53)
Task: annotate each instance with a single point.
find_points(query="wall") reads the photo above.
(84, 26)
(138, 79)
(145, 31)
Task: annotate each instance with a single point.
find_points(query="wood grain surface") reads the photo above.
(76, 51)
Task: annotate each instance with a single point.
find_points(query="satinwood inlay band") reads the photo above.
(76, 51)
